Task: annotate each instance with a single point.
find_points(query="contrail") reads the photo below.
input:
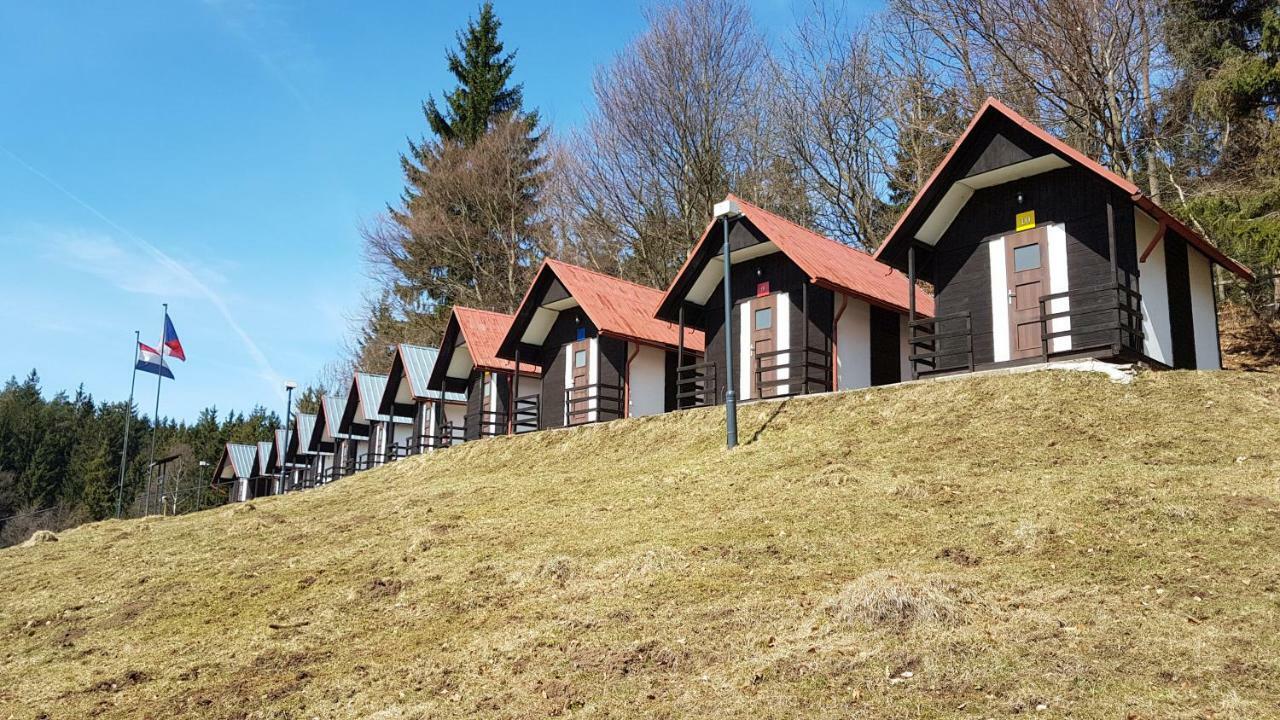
(264, 366)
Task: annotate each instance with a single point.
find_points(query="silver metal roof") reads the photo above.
(333, 407)
(369, 389)
(264, 456)
(242, 459)
(419, 361)
(306, 424)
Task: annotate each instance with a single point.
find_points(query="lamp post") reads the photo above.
(726, 211)
(199, 484)
(288, 425)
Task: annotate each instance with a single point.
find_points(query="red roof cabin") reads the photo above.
(1036, 252)
(601, 351)
(468, 363)
(809, 314)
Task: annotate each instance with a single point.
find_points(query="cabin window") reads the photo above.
(582, 334)
(1026, 257)
(580, 358)
(764, 318)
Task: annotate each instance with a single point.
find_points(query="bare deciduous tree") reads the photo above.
(833, 122)
(681, 118)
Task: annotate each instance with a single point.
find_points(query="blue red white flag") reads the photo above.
(150, 360)
(172, 345)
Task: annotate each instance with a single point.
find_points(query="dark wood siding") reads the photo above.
(563, 332)
(475, 403)
(960, 264)
(612, 356)
(1181, 329)
(886, 348)
(782, 276)
(669, 380)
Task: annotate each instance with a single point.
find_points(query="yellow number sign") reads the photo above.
(1025, 220)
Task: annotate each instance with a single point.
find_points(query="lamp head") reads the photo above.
(727, 208)
(290, 385)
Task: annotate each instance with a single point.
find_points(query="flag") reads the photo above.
(172, 345)
(149, 360)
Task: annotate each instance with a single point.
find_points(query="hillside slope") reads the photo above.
(978, 548)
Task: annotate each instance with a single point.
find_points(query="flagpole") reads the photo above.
(124, 453)
(155, 418)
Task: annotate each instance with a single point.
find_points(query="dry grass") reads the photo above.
(964, 549)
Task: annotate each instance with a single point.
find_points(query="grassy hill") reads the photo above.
(1049, 544)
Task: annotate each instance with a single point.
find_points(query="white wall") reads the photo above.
(646, 380)
(1059, 282)
(1204, 315)
(853, 344)
(454, 413)
(999, 303)
(1153, 283)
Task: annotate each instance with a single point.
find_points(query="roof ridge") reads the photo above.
(607, 276)
(798, 226)
(478, 310)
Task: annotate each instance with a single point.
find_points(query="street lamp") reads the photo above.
(288, 425)
(727, 210)
(199, 485)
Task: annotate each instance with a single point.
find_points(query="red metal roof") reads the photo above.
(483, 331)
(1070, 153)
(828, 263)
(621, 308)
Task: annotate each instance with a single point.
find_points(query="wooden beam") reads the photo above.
(1159, 237)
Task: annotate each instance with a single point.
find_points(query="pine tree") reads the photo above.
(483, 93)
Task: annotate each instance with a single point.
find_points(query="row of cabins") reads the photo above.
(1034, 252)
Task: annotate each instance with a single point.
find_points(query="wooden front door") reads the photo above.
(764, 340)
(580, 360)
(1027, 263)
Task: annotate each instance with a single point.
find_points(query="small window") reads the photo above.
(582, 333)
(1026, 257)
(580, 358)
(764, 318)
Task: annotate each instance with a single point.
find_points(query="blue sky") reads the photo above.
(221, 156)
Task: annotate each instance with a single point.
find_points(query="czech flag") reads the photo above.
(150, 360)
(172, 346)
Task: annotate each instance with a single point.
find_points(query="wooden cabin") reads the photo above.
(325, 437)
(1036, 252)
(808, 314)
(602, 353)
(361, 418)
(234, 470)
(437, 418)
(280, 454)
(468, 364)
(265, 478)
(309, 466)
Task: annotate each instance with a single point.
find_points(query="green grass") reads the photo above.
(976, 549)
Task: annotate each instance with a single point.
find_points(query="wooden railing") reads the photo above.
(485, 423)
(808, 371)
(1100, 316)
(526, 415)
(941, 344)
(696, 385)
(602, 399)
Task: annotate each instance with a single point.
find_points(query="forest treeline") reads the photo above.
(834, 123)
(60, 457)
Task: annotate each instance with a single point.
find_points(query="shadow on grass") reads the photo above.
(778, 407)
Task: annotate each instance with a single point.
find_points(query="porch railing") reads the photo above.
(526, 414)
(1097, 317)
(696, 385)
(603, 399)
(941, 344)
(808, 370)
(485, 423)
